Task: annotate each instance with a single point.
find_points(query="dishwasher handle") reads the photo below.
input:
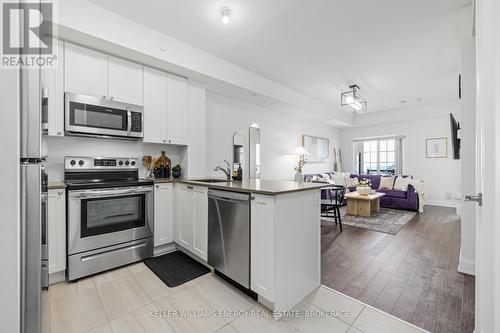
(228, 196)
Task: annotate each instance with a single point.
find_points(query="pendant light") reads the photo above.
(353, 101)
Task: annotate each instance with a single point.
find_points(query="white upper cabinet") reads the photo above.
(52, 82)
(155, 106)
(93, 73)
(176, 109)
(163, 95)
(124, 81)
(85, 71)
(163, 214)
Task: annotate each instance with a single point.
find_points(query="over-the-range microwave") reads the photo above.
(93, 116)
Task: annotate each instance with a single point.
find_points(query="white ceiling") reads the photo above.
(393, 49)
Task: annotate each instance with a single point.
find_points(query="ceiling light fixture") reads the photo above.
(225, 12)
(352, 100)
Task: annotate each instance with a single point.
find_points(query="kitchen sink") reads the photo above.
(211, 180)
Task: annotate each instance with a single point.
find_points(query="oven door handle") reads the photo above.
(109, 193)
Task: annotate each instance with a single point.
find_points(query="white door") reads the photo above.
(57, 230)
(200, 240)
(163, 214)
(176, 109)
(155, 106)
(488, 153)
(124, 81)
(85, 71)
(186, 216)
(468, 142)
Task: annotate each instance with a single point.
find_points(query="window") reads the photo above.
(381, 156)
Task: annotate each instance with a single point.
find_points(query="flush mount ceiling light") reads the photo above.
(225, 12)
(352, 100)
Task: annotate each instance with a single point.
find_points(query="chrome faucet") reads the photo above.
(227, 170)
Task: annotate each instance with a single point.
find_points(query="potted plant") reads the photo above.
(364, 187)
(177, 171)
(300, 151)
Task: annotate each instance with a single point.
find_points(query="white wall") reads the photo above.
(440, 175)
(78, 146)
(281, 133)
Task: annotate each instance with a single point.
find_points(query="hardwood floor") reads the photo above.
(411, 275)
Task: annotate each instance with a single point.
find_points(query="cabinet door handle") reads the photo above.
(111, 98)
(157, 186)
(103, 96)
(190, 187)
(60, 192)
(59, 133)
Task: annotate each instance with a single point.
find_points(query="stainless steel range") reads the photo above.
(110, 214)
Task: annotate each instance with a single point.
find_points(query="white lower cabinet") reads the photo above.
(191, 230)
(163, 214)
(262, 246)
(200, 237)
(57, 230)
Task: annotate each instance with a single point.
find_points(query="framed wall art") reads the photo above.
(436, 148)
(319, 149)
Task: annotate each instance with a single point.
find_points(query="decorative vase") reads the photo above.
(363, 190)
(176, 174)
(299, 177)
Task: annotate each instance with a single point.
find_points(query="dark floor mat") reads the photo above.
(176, 268)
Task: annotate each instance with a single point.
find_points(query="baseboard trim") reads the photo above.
(164, 249)
(466, 266)
(442, 203)
(57, 277)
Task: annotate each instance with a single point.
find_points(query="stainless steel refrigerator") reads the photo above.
(34, 236)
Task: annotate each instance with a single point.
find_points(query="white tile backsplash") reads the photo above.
(59, 147)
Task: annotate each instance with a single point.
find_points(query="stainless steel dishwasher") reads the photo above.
(229, 235)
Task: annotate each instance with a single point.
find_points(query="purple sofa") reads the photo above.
(407, 200)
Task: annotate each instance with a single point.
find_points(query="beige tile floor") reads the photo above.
(132, 299)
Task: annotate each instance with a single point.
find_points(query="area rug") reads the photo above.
(389, 221)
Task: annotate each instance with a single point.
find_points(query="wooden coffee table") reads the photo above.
(363, 205)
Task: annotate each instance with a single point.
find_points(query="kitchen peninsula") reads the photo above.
(283, 214)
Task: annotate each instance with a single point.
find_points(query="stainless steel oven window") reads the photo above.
(106, 215)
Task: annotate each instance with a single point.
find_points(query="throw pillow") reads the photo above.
(401, 183)
(386, 182)
(338, 179)
(350, 182)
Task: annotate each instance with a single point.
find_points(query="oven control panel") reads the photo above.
(85, 163)
(105, 162)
